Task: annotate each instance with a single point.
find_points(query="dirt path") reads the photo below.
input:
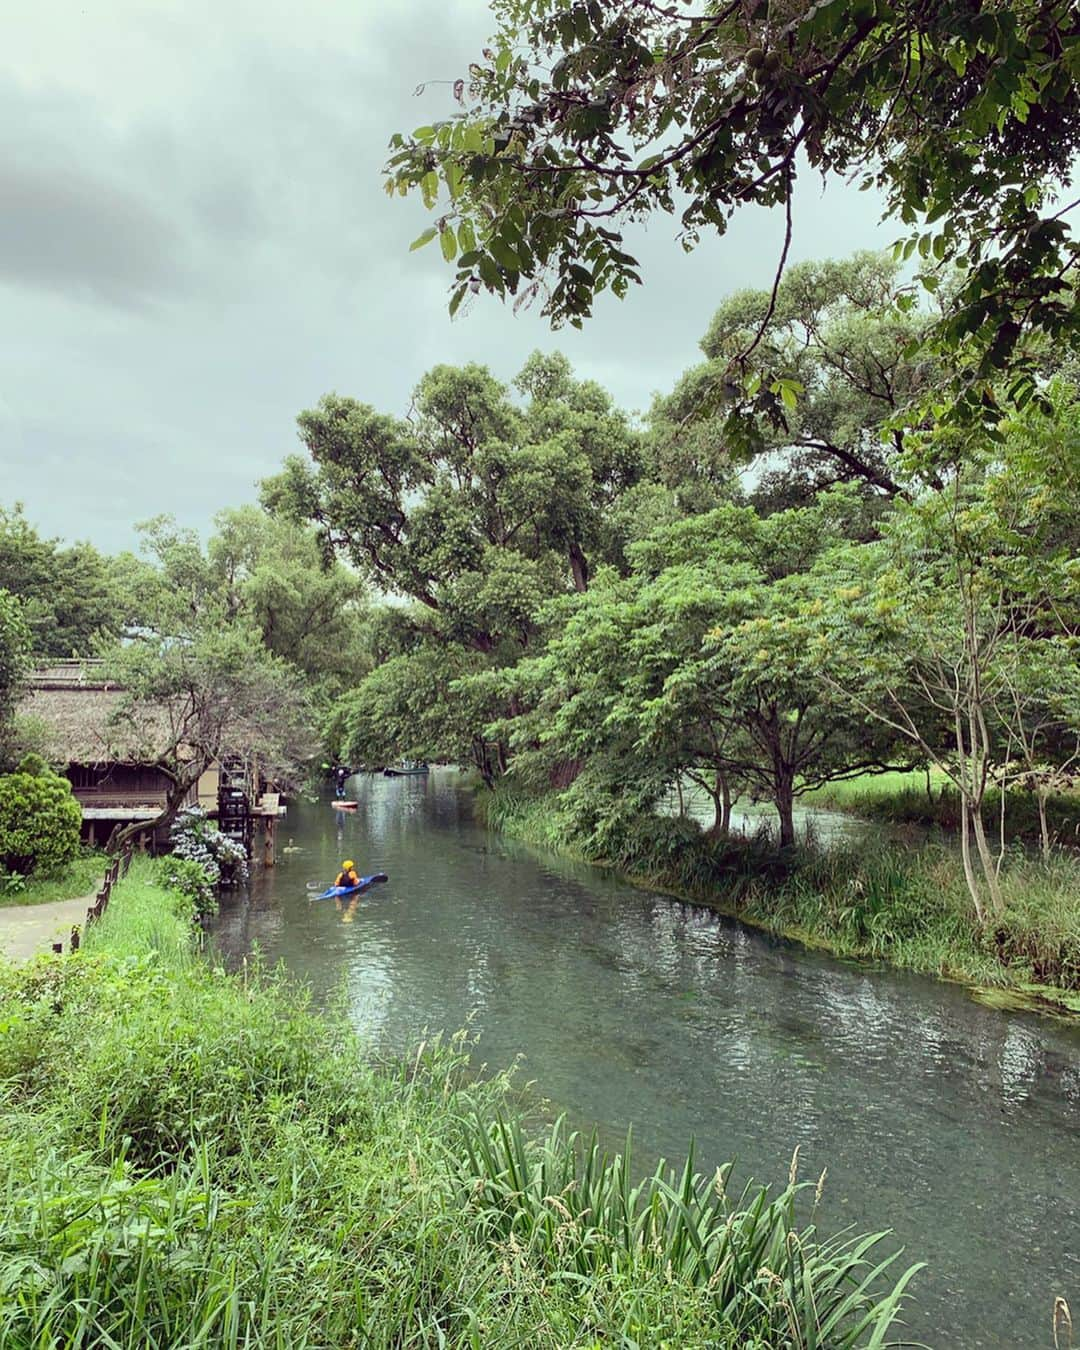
(26, 930)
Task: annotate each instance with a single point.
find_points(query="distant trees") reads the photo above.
(262, 572)
(613, 612)
(68, 594)
(14, 655)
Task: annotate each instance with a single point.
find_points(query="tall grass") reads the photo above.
(745, 1266)
(193, 1159)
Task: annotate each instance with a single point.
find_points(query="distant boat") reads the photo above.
(405, 768)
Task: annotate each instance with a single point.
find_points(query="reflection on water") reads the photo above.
(950, 1122)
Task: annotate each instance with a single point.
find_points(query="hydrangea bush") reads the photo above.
(188, 880)
(195, 838)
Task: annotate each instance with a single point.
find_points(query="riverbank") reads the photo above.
(868, 901)
(197, 1158)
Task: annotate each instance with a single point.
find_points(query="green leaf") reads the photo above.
(448, 242)
(425, 238)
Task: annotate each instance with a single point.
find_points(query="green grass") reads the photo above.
(193, 1159)
(902, 798)
(870, 787)
(907, 906)
(82, 876)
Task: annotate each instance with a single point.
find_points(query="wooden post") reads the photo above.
(75, 939)
(91, 837)
(268, 840)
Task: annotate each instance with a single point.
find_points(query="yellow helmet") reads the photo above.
(348, 865)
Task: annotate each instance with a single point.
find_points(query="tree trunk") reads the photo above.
(483, 764)
(174, 800)
(965, 854)
(579, 567)
(721, 796)
(784, 801)
(1041, 795)
(990, 871)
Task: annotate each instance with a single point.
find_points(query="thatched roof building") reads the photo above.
(110, 753)
(86, 724)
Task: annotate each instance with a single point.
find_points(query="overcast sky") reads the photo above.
(195, 244)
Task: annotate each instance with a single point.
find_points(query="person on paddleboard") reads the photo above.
(341, 773)
(347, 877)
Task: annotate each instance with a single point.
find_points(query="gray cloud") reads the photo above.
(195, 244)
(81, 235)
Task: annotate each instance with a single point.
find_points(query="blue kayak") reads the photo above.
(361, 885)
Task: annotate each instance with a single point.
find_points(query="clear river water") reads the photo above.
(951, 1123)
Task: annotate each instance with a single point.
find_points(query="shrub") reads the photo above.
(197, 839)
(39, 820)
(190, 880)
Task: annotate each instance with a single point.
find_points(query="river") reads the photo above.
(949, 1122)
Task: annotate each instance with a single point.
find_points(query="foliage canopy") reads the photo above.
(585, 116)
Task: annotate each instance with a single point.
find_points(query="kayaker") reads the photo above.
(347, 877)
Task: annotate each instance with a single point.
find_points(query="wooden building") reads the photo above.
(110, 761)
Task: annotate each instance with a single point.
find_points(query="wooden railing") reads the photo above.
(117, 868)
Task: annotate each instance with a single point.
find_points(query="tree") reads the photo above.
(582, 118)
(476, 508)
(842, 353)
(14, 653)
(700, 661)
(218, 694)
(423, 706)
(960, 630)
(263, 572)
(68, 595)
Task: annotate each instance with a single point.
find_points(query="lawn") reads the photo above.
(81, 876)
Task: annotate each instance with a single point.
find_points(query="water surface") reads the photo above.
(949, 1122)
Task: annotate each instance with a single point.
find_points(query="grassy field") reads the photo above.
(848, 795)
(193, 1159)
(907, 906)
(903, 798)
(81, 876)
